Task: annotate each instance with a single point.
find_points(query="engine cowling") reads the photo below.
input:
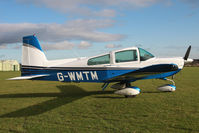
(130, 91)
(167, 88)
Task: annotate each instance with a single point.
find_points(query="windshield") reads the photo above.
(144, 55)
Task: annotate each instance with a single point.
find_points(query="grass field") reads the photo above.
(43, 106)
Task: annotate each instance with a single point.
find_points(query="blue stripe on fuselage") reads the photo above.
(75, 75)
(101, 75)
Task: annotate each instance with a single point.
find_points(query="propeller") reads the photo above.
(187, 53)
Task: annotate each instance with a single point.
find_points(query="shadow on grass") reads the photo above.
(153, 92)
(110, 97)
(67, 94)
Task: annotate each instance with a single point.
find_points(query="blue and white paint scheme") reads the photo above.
(121, 66)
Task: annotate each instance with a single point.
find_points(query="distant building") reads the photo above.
(9, 65)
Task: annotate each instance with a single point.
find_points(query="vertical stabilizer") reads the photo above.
(32, 53)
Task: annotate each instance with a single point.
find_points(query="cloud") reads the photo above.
(88, 7)
(193, 3)
(102, 13)
(75, 7)
(113, 46)
(73, 30)
(84, 45)
(65, 45)
(99, 8)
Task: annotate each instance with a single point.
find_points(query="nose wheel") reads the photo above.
(167, 87)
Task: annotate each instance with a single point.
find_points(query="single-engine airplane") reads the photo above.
(120, 66)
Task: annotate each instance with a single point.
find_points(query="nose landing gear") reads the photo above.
(167, 87)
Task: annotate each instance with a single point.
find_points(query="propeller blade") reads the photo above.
(187, 53)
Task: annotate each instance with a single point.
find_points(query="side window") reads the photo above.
(145, 55)
(105, 59)
(126, 56)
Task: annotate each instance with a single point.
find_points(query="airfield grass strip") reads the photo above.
(45, 106)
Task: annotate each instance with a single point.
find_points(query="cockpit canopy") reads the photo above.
(121, 56)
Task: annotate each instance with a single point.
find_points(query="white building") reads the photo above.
(9, 65)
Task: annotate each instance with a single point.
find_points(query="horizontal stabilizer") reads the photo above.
(28, 77)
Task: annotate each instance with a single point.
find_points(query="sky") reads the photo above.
(83, 28)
